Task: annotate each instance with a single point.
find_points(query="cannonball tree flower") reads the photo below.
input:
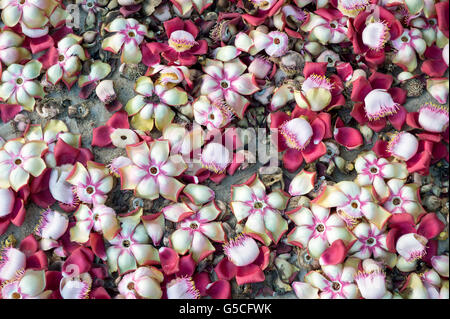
(30, 284)
(407, 45)
(214, 114)
(404, 198)
(335, 281)
(91, 183)
(438, 89)
(64, 62)
(227, 80)
(433, 284)
(413, 241)
(244, 261)
(184, 6)
(130, 248)
(353, 202)
(262, 211)
(319, 92)
(327, 26)
(151, 104)
(152, 172)
(19, 160)
(371, 243)
(194, 232)
(182, 47)
(377, 101)
(371, 280)
(129, 34)
(374, 171)
(274, 43)
(143, 283)
(100, 218)
(11, 50)
(316, 229)
(19, 85)
(300, 136)
(370, 30)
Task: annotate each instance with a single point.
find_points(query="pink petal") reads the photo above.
(169, 260)
(335, 254)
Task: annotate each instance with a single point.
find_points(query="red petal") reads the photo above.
(335, 254)
(225, 269)
(313, 151)
(434, 68)
(201, 280)
(361, 87)
(442, 17)
(380, 148)
(101, 136)
(29, 245)
(40, 44)
(97, 245)
(359, 113)
(187, 266)
(9, 111)
(292, 159)
(249, 274)
(173, 25)
(430, 226)
(381, 80)
(412, 119)
(319, 68)
(169, 260)
(220, 289)
(348, 136)
(398, 119)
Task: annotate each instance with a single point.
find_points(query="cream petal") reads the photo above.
(18, 178)
(139, 154)
(209, 212)
(175, 97)
(33, 282)
(200, 247)
(181, 241)
(11, 15)
(35, 166)
(130, 176)
(148, 188)
(301, 217)
(159, 152)
(302, 183)
(144, 86)
(275, 224)
(145, 254)
(131, 53)
(32, 69)
(277, 199)
(305, 291)
(169, 187)
(126, 262)
(240, 210)
(214, 231)
(174, 166)
(332, 197)
(316, 280)
(317, 246)
(301, 234)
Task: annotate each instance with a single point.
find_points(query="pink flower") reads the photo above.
(12, 263)
(262, 211)
(34, 17)
(51, 227)
(336, 282)
(101, 219)
(407, 45)
(316, 229)
(327, 26)
(371, 243)
(196, 226)
(181, 47)
(352, 203)
(90, 183)
(227, 81)
(19, 160)
(404, 198)
(64, 62)
(374, 171)
(182, 288)
(129, 34)
(212, 114)
(130, 248)
(19, 85)
(153, 171)
(378, 101)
